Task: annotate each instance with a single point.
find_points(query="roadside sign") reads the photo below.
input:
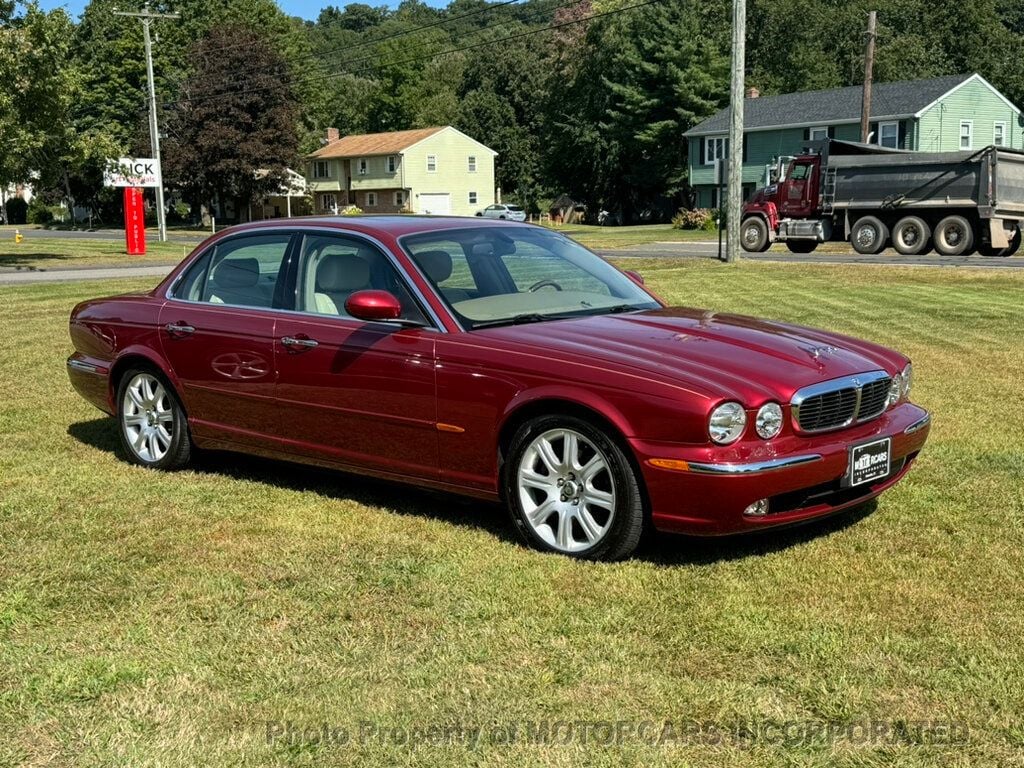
(132, 172)
(134, 222)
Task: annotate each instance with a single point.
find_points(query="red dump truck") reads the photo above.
(873, 197)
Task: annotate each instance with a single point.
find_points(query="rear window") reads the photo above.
(515, 208)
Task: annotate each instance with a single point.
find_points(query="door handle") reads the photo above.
(179, 329)
(291, 341)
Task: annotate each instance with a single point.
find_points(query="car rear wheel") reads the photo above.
(153, 426)
(571, 489)
(910, 236)
(954, 236)
(869, 236)
(754, 235)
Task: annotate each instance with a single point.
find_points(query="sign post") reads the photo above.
(134, 222)
(132, 174)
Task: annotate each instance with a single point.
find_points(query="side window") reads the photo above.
(242, 271)
(445, 265)
(799, 172)
(333, 267)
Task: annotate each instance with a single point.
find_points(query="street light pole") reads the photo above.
(735, 190)
(147, 16)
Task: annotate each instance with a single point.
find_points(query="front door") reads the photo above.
(361, 393)
(799, 190)
(218, 334)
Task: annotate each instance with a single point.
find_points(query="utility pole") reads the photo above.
(734, 210)
(869, 73)
(147, 16)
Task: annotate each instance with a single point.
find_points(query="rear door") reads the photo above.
(218, 334)
(360, 393)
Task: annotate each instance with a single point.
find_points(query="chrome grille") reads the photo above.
(841, 402)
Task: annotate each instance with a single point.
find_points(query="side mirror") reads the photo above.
(371, 305)
(635, 276)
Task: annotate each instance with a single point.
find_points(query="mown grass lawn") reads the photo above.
(639, 234)
(166, 619)
(43, 252)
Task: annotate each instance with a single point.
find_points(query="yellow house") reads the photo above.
(439, 171)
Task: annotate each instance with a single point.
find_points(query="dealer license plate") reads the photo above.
(870, 461)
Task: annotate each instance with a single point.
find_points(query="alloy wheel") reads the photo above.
(147, 418)
(566, 490)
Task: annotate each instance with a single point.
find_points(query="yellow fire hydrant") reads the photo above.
(18, 237)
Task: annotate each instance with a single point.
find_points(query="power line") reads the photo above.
(461, 49)
(325, 67)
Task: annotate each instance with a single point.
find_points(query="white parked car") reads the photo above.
(502, 211)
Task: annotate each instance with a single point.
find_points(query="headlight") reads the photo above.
(895, 390)
(726, 423)
(769, 420)
(908, 379)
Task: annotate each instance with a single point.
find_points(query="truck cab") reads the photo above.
(788, 210)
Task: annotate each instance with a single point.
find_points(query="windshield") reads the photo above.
(503, 275)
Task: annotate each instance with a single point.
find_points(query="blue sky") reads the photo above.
(308, 10)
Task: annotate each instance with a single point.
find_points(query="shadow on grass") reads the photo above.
(656, 547)
(31, 259)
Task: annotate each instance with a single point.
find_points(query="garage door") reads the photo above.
(436, 203)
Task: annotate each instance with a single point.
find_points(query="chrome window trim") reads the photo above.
(855, 382)
(299, 230)
(753, 467)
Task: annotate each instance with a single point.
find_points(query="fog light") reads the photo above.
(757, 509)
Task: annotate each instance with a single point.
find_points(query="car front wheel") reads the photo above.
(153, 427)
(571, 489)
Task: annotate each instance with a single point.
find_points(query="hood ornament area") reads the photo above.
(817, 353)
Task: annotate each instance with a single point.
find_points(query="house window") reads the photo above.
(431, 163)
(321, 169)
(371, 199)
(471, 163)
(999, 134)
(363, 166)
(399, 198)
(472, 198)
(966, 131)
(889, 135)
(715, 148)
(392, 163)
(328, 203)
(817, 134)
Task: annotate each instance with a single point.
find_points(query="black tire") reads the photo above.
(954, 236)
(754, 235)
(987, 250)
(869, 236)
(911, 236)
(178, 450)
(801, 246)
(624, 524)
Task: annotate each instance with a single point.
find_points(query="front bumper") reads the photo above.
(704, 490)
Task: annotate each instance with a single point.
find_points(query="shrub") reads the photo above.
(351, 210)
(695, 219)
(39, 212)
(16, 211)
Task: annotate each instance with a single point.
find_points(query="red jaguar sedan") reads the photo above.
(502, 361)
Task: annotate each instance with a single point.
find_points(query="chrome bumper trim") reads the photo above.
(918, 425)
(753, 467)
(82, 366)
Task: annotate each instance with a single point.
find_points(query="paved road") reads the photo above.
(829, 255)
(651, 251)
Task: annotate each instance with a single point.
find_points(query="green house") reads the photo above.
(939, 114)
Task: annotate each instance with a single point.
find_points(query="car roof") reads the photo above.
(395, 226)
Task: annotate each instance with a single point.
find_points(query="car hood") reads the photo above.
(720, 355)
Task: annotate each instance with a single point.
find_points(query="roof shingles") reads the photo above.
(834, 106)
(367, 144)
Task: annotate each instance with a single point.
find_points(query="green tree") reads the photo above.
(228, 142)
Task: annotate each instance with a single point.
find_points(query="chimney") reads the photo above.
(332, 135)
(753, 93)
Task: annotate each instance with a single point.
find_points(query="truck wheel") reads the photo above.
(801, 246)
(869, 236)
(954, 236)
(910, 236)
(1012, 248)
(754, 235)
